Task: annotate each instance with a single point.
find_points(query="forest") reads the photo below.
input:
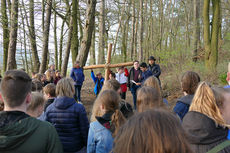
(181, 34)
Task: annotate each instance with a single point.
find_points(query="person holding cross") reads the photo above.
(98, 80)
(134, 80)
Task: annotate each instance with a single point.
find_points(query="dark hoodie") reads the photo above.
(203, 133)
(182, 105)
(20, 133)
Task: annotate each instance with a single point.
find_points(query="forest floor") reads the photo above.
(88, 97)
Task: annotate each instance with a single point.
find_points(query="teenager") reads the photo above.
(153, 82)
(98, 80)
(124, 107)
(19, 131)
(122, 78)
(78, 77)
(49, 94)
(153, 131)
(68, 117)
(36, 106)
(208, 118)
(103, 131)
(189, 83)
(154, 68)
(134, 80)
(57, 76)
(148, 98)
(145, 72)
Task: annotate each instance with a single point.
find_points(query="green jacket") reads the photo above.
(20, 133)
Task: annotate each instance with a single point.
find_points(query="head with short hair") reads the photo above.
(77, 64)
(36, 106)
(52, 66)
(99, 75)
(148, 98)
(109, 100)
(112, 75)
(136, 64)
(209, 101)
(49, 89)
(143, 67)
(108, 85)
(37, 85)
(189, 82)
(153, 82)
(15, 87)
(65, 88)
(153, 131)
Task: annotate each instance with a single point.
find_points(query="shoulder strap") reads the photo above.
(220, 147)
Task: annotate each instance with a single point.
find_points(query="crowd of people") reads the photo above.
(45, 113)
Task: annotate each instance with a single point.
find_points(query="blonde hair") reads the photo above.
(154, 83)
(37, 99)
(110, 100)
(148, 98)
(108, 85)
(208, 101)
(65, 88)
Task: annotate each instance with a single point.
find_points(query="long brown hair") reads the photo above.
(189, 82)
(108, 85)
(153, 131)
(110, 100)
(148, 98)
(208, 101)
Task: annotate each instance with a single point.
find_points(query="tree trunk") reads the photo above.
(141, 32)
(133, 30)
(67, 51)
(46, 37)
(88, 31)
(92, 49)
(32, 36)
(211, 37)
(5, 33)
(61, 44)
(55, 38)
(75, 40)
(101, 53)
(11, 61)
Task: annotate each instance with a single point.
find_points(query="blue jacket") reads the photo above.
(182, 106)
(98, 83)
(71, 122)
(100, 139)
(77, 75)
(145, 75)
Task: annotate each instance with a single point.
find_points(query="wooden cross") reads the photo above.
(108, 65)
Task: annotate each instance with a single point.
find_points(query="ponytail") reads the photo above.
(117, 120)
(205, 102)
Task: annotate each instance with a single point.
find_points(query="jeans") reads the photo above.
(134, 93)
(77, 95)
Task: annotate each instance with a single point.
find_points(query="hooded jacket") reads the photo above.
(71, 122)
(20, 133)
(77, 75)
(182, 105)
(98, 83)
(203, 133)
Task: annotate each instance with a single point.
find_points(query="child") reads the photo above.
(37, 86)
(112, 75)
(189, 83)
(49, 94)
(154, 83)
(102, 131)
(68, 117)
(154, 131)
(207, 121)
(78, 77)
(36, 105)
(98, 80)
(145, 72)
(125, 107)
(148, 98)
(122, 78)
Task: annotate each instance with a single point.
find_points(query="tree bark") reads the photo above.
(101, 53)
(5, 33)
(61, 44)
(92, 49)
(46, 37)
(133, 29)
(141, 32)
(87, 33)
(55, 38)
(11, 61)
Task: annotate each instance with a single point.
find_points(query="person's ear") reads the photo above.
(1, 99)
(28, 98)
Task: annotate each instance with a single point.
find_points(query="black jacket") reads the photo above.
(203, 133)
(155, 68)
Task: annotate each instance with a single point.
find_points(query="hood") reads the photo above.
(15, 130)
(202, 129)
(64, 102)
(186, 99)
